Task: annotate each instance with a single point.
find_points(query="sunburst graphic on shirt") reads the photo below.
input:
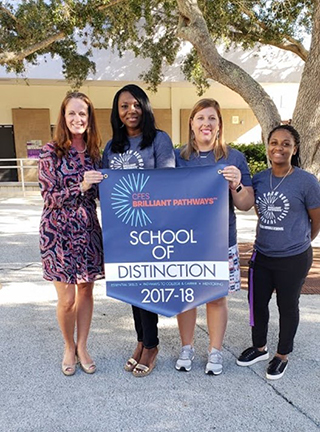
(129, 160)
(121, 200)
(272, 207)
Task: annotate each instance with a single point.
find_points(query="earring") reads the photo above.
(122, 126)
(217, 136)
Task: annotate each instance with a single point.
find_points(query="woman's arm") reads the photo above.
(243, 196)
(56, 194)
(53, 194)
(164, 152)
(105, 158)
(244, 199)
(314, 215)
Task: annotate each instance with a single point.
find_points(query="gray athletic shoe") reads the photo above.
(214, 365)
(186, 356)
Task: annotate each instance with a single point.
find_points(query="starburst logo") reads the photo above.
(121, 200)
(272, 207)
(128, 160)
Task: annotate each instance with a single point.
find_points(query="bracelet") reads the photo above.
(81, 189)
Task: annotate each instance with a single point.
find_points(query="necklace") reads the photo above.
(82, 151)
(276, 187)
(202, 156)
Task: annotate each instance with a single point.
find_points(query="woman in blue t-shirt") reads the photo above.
(137, 144)
(206, 147)
(287, 201)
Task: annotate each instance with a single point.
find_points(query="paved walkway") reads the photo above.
(36, 397)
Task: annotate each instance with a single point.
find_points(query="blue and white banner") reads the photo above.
(165, 237)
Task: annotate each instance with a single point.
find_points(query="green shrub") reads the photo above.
(255, 155)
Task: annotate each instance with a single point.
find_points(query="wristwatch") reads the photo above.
(238, 188)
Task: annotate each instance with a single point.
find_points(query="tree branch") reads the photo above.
(192, 27)
(288, 43)
(13, 57)
(295, 47)
(7, 12)
(111, 3)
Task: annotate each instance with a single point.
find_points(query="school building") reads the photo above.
(29, 104)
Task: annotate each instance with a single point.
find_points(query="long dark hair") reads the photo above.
(63, 137)
(120, 142)
(295, 159)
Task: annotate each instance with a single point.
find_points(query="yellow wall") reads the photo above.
(233, 132)
(175, 97)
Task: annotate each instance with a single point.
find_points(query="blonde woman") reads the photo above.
(206, 147)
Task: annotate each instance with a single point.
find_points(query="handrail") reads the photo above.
(20, 166)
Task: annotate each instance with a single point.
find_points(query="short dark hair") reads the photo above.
(295, 159)
(120, 142)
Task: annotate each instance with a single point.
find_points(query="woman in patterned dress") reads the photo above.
(70, 234)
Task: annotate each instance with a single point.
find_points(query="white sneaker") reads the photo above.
(214, 365)
(186, 356)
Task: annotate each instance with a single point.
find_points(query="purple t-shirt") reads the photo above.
(236, 158)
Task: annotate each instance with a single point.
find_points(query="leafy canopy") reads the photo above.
(71, 29)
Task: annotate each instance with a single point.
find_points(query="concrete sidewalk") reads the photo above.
(35, 396)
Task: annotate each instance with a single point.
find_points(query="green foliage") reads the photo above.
(255, 155)
(147, 27)
(194, 72)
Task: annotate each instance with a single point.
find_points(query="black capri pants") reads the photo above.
(286, 276)
(146, 325)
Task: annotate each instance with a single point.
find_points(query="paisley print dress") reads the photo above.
(70, 234)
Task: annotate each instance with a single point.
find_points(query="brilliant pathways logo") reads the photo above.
(130, 201)
(121, 199)
(128, 160)
(273, 207)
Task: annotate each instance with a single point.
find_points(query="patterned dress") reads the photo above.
(70, 234)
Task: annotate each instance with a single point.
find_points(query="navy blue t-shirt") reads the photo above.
(159, 155)
(235, 158)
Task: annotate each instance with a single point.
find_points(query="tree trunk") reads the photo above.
(306, 117)
(193, 27)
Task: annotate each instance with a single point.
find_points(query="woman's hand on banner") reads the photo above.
(233, 175)
(90, 177)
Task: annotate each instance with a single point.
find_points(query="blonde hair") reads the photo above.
(220, 148)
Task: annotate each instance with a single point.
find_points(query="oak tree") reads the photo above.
(156, 29)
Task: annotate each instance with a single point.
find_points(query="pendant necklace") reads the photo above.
(82, 151)
(276, 187)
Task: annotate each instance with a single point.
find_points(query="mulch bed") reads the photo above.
(312, 284)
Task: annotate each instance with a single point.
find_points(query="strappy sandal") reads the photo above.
(142, 370)
(130, 365)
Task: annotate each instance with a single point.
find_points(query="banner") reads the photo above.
(165, 237)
